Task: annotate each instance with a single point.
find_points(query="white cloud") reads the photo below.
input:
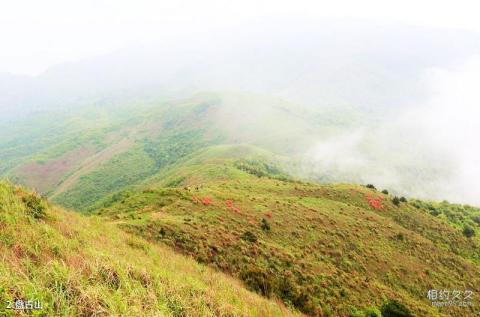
(429, 150)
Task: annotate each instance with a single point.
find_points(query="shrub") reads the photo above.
(162, 232)
(468, 231)
(257, 280)
(476, 219)
(356, 313)
(371, 186)
(395, 309)
(396, 201)
(265, 225)
(385, 192)
(249, 236)
(403, 199)
(35, 206)
(373, 312)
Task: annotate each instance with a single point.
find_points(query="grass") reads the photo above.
(317, 255)
(162, 131)
(327, 250)
(81, 266)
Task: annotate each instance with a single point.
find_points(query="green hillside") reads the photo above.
(79, 157)
(327, 250)
(81, 266)
(219, 178)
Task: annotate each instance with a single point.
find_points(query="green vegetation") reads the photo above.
(468, 231)
(396, 201)
(395, 309)
(123, 170)
(261, 169)
(462, 217)
(81, 266)
(189, 176)
(306, 244)
(78, 157)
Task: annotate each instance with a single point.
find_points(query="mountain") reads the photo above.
(315, 63)
(363, 94)
(327, 250)
(202, 170)
(81, 266)
(70, 162)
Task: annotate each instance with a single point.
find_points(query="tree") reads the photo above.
(468, 231)
(396, 201)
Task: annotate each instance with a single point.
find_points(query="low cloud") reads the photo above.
(429, 150)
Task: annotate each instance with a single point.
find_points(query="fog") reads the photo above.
(427, 150)
(407, 97)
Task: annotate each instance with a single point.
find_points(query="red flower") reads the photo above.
(206, 201)
(375, 203)
(237, 210)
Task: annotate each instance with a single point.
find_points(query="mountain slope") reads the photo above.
(310, 245)
(79, 157)
(81, 160)
(80, 266)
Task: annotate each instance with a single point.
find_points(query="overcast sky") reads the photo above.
(37, 34)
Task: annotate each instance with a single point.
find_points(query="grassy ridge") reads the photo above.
(80, 266)
(322, 249)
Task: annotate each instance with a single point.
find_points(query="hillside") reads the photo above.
(78, 157)
(81, 266)
(235, 208)
(327, 250)
(67, 156)
(214, 159)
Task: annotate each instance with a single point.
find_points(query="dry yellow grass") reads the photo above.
(81, 266)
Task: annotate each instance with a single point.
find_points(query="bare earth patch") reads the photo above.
(45, 177)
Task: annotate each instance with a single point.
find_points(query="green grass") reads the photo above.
(165, 131)
(191, 175)
(327, 252)
(123, 170)
(81, 266)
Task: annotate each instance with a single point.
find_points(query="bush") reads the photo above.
(373, 312)
(371, 186)
(403, 199)
(385, 192)
(265, 225)
(356, 313)
(468, 231)
(35, 206)
(395, 309)
(396, 201)
(476, 219)
(249, 236)
(258, 280)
